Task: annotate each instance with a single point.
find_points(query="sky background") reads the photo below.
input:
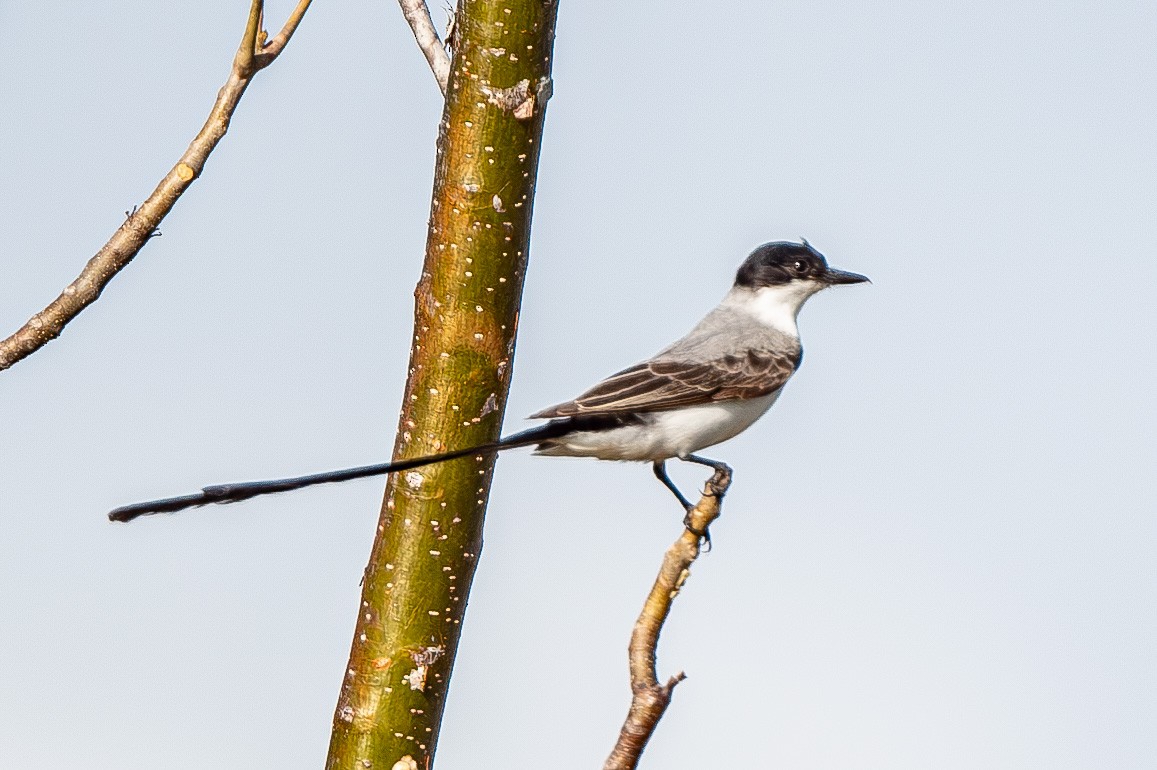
(939, 546)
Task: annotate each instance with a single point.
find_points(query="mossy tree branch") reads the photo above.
(253, 55)
(649, 698)
(466, 313)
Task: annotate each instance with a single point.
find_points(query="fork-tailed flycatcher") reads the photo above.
(702, 390)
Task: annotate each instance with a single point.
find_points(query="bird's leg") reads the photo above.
(722, 474)
(716, 464)
(660, 468)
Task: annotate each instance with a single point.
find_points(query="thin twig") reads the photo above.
(649, 698)
(142, 223)
(418, 15)
(274, 47)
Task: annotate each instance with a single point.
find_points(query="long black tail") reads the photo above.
(233, 493)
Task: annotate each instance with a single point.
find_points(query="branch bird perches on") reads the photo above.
(649, 698)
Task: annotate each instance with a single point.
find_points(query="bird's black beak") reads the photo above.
(837, 277)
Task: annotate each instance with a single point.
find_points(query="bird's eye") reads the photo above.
(800, 267)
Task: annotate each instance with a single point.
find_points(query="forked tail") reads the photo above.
(234, 493)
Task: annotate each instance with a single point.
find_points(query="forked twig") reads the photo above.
(649, 698)
(253, 55)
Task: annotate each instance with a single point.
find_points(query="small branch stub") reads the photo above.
(649, 698)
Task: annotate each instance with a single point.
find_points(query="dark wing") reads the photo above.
(657, 385)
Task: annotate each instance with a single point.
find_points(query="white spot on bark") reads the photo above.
(423, 659)
(520, 99)
(427, 655)
(417, 678)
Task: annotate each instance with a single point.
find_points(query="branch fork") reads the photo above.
(254, 54)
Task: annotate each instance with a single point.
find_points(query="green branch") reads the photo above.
(466, 314)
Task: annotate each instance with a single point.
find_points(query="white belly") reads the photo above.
(662, 435)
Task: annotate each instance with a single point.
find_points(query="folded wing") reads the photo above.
(657, 385)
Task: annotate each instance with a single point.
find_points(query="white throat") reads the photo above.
(774, 306)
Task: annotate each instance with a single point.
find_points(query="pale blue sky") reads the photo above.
(938, 551)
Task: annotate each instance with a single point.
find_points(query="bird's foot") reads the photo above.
(703, 534)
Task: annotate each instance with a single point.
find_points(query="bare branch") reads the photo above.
(275, 46)
(142, 223)
(418, 15)
(243, 61)
(649, 699)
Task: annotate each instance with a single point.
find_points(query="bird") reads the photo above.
(705, 388)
